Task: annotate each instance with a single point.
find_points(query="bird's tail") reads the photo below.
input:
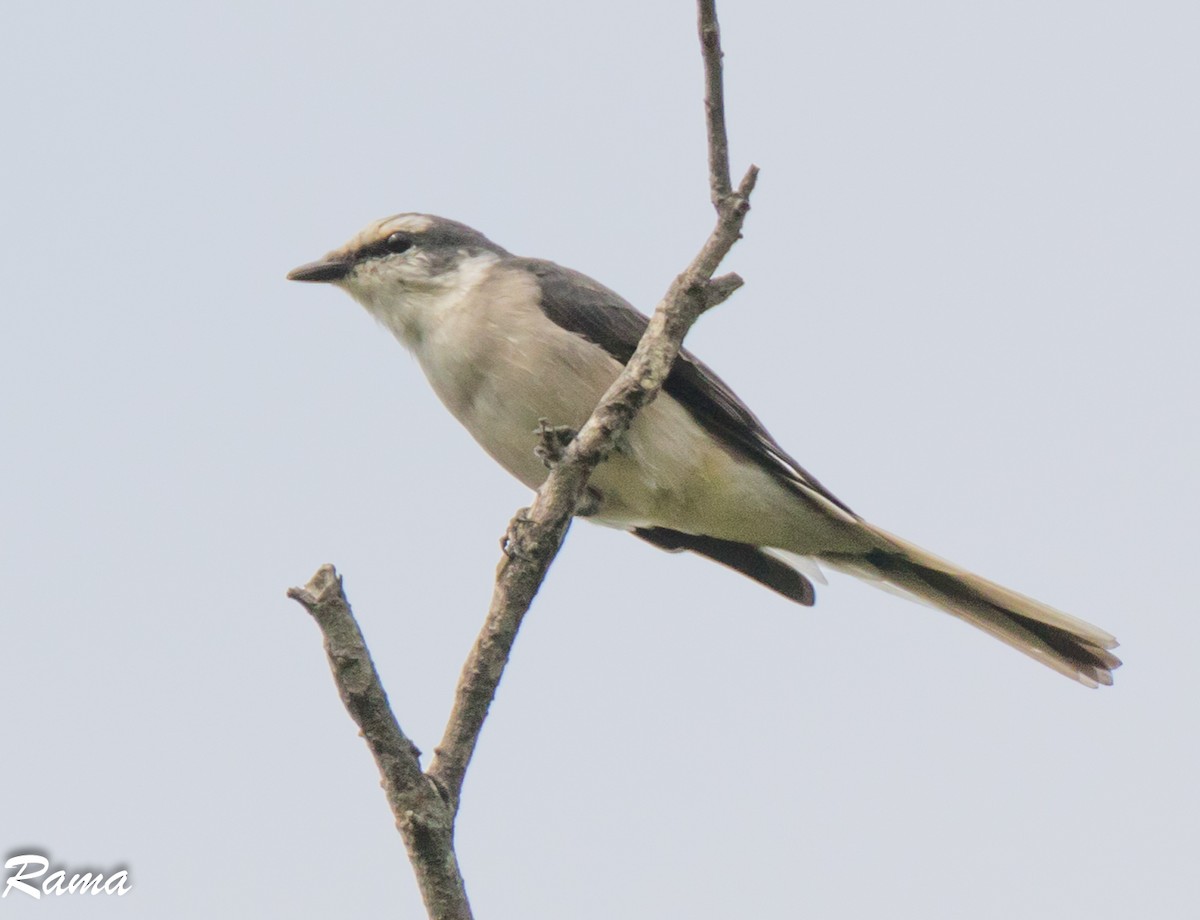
(1067, 644)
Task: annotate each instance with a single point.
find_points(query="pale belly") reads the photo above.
(667, 472)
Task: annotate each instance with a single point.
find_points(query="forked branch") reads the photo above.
(425, 803)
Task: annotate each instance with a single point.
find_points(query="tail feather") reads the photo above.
(1065, 643)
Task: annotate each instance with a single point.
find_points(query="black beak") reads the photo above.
(321, 271)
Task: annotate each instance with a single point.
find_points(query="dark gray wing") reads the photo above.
(590, 310)
(741, 557)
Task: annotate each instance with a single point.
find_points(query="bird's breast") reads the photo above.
(501, 366)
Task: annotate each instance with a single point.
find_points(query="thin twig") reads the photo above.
(714, 103)
(536, 534)
(423, 816)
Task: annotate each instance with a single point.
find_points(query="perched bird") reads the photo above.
(508, 341)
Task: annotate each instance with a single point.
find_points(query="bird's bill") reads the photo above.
(325, 270)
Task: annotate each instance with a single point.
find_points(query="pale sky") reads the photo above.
(970, 310)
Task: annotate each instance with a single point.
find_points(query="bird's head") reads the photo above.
(397, 266)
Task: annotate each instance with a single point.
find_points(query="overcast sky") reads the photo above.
(970, 310)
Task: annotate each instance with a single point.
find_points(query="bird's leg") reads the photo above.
(589, 503)
(552, 443)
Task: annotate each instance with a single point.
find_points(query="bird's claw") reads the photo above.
(552, 441)
(511, 542)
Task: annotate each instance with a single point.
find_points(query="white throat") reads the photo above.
(414, 308)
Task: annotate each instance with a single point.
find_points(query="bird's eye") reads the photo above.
(399, 242)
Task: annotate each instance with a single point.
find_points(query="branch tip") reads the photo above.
(418, 802)
(721, 289)
(714, 103)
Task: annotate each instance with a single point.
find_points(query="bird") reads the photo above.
(510, 343)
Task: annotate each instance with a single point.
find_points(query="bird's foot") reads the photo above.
(552, 441)
(512, 543)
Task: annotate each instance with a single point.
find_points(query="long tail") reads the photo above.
(1067, 644)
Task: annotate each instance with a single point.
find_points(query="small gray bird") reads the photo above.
(507, 341)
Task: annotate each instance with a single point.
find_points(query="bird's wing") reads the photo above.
(590, 310)
(741, 557)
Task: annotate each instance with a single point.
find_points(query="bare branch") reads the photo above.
(714, 103)
(425, 804)
(530, 545)
(535, 535)
(423, 816)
